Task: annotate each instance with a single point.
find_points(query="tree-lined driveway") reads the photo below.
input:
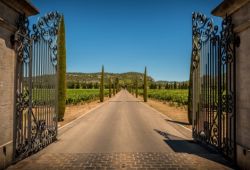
(123, 133)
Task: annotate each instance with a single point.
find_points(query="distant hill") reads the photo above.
(94, 78)
(91, 80)
(165, 82)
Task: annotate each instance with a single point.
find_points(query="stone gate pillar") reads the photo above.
(9, 12)
(240, 12)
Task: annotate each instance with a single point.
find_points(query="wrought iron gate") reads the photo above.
(35, 120)
(213, 85)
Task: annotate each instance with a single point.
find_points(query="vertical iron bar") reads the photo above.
(15, 135)
(209, 87)
(38, 81)
(219, 114)
(30, 93)
(46, 84)
(234, 99)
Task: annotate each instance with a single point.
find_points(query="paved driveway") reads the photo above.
(123, 133)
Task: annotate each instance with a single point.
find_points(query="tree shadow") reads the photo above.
(118, 101)
(174, 121)
(180, 145)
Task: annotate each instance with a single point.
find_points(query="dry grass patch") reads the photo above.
(74, 111)
(178, 114)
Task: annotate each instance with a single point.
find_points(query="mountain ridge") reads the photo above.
(80, 79)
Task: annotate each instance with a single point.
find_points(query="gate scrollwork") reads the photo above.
(213, 86)
(35, 118)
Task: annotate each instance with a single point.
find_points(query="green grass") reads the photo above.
(74, 96)
(179, 96)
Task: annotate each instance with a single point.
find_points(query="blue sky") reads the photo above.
(127, 35)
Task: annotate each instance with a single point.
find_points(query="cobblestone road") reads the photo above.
(133, 161)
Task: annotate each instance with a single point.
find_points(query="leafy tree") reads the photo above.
(159, 86)
(61, 69)
(90, 85)
(166, 86)
(102, 85)
(77, 85)
(175, 85)
(153, 86)
(145, 92)
(96, 85)
(70, 85)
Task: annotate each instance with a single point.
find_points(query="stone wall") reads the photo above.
(9, 12)
(240, 18)
(7, 69)
(240, 12)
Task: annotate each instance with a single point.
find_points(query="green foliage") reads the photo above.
(110, 89)
(75, 96)
(175, 85)
(136, 88)
(153, 86)
(61, 68)
(102, 85)
(96, 85)
(169, 85)
(70, 85)
(77, 85)
(145, 85)
(113, 85)
(43, 96)
(116, 85)
(179, 96)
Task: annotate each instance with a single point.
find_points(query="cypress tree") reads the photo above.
(102, 85)
(61, 71)
(110, 90)
(136, 87)
(116, 84)
(113, 85)
(145, 92)
(175, 85)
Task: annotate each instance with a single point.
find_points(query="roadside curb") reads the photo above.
(83, 115)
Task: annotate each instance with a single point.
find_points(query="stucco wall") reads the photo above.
(7, 73)
(9, 13)
(241, 17)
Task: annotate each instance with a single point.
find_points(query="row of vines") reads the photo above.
(178, 96)
(74, 96)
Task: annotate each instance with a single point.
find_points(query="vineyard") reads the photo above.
(178, 96)
(74, 96)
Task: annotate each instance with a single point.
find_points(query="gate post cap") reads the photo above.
(228, 7)
(22, 6)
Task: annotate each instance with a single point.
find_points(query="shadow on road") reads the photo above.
(125, 101)
(180, 145)
(173, 121)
